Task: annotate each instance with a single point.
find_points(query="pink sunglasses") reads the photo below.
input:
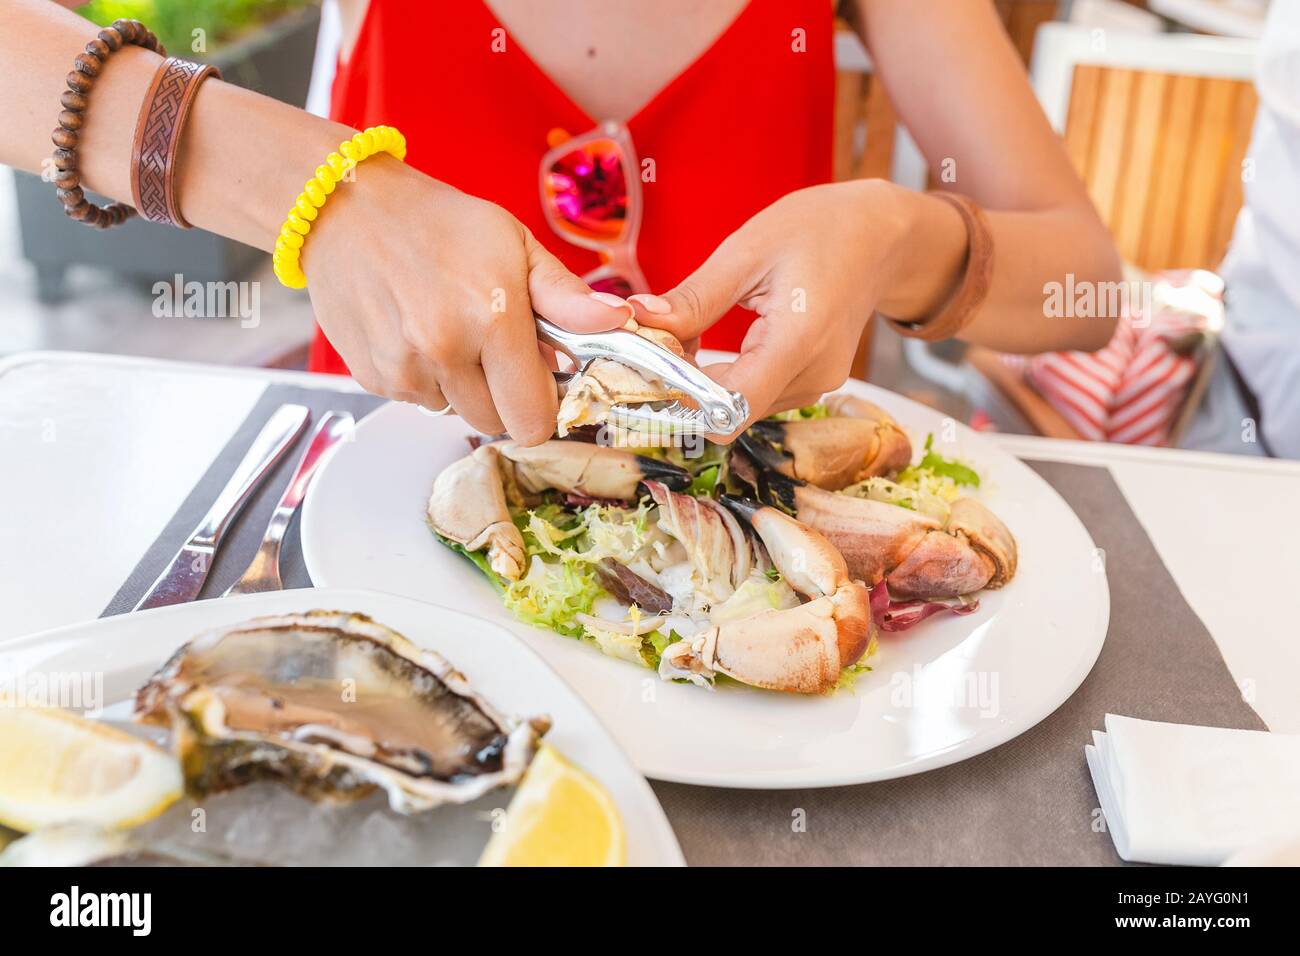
(591, 195)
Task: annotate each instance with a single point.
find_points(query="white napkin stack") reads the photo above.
(1174, 793)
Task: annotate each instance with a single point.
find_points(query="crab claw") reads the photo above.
(606, 383)
(973, 551)
(718, 548)
(920, 556)
(471, 497)
(801, 649)
(583, 468)
(859, 441)
(468, 506)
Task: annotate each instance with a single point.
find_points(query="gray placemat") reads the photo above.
(1028, 802)
(244, 537)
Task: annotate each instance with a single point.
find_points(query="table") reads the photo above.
(97, 452)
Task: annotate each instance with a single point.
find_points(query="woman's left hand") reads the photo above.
(814, 265)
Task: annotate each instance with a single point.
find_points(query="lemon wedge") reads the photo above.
(559, 817)
(56, 766)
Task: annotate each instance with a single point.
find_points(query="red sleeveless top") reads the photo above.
(747, 122)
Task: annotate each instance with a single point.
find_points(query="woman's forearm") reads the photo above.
(959, 87)
(243, 156)
(403, 271)
(243, 159)
(1031, 250)
(1035, 250)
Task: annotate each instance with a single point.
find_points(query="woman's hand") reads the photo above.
(814, 265)
(428, 294)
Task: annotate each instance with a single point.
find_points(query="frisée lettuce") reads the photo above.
(937, 475)
(552, 594)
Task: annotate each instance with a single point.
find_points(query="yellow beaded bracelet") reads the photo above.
(288, 246)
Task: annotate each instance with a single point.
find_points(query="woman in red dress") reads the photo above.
(425, 276)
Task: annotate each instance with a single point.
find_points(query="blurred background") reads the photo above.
(1153, 98)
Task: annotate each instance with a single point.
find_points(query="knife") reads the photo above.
(183, 578)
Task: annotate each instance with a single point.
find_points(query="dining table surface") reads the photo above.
(97, 453)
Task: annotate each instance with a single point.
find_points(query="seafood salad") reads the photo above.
(773, 562)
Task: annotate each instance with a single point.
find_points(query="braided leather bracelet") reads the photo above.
(973, 287)
(157, 138)
(81, 81)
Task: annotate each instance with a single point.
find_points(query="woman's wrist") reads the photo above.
(337, 168)
(925, 250)
(358, 211)
(244, 158)
(105, 139)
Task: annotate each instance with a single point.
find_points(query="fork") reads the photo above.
(263, 572)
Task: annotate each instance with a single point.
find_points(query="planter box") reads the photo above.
(275, 60)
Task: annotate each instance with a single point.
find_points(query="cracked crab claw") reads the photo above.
(919, 555)
(716, 546)
(800, 649)
(859, 440)
(606, 383)
(470, 504)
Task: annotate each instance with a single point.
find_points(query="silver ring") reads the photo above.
(432, 413)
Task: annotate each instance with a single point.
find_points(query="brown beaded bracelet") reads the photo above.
(81, 81)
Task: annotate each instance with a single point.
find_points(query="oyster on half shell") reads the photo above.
(333, 704)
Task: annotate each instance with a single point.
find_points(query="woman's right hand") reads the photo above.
(428, 295)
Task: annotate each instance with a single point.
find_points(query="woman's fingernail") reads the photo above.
(654, 304)
(609, 299)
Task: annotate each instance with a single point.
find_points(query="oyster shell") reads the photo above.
(334, 704)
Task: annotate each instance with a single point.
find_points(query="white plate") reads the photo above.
(127, 649)
(947, 690)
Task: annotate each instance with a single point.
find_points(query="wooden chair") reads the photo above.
(1157, 126)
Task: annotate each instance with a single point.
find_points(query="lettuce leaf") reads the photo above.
(705, 481)
(551, 594)
(564, 549)
(707, 463)
(929, 497)
(937, 464)
(478, 559)
(802, 414)
(654, 644)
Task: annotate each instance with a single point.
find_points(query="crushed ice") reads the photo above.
(269, 824)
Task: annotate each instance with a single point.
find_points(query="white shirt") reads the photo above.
(1262, 267)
